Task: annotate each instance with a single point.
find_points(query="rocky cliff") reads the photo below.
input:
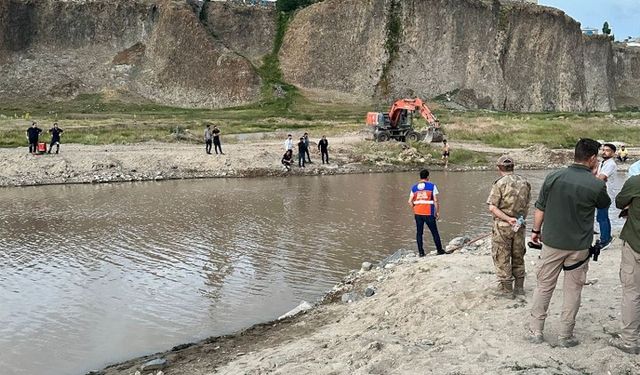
(157, 50)
(627, 75)
(484, 54)
(505, 56)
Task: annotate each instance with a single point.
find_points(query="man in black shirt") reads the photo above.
(55, 137)
(216, 140)
(32, 135)
(302, 149)
(323, 146)
(306, 145)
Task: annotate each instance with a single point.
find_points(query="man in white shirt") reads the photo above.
(288, 143)
(606, 172)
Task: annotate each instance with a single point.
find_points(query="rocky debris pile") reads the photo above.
(465, 244)
(537, 156)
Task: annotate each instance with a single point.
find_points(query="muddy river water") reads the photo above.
(95, 274)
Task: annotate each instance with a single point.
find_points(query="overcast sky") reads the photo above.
(623, 15)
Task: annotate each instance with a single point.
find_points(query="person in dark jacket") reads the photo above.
(55, 137)
(306, 145)
(629, 200)
(302, 150)
(216, 140)
(32, 136)
(323, 146)
(287, 159)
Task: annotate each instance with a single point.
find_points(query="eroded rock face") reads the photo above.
(509, 56)
(627, 75)
(249, 31)
(599, 73)
(155, 49)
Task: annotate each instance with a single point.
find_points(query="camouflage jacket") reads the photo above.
(511, 194)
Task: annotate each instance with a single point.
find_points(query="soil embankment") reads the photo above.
(429, 315)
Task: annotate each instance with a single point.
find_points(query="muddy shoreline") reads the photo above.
(153, 161)
(405, 328)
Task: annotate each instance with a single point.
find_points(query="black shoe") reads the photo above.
(441, 253)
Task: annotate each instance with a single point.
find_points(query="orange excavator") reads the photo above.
(397, 123)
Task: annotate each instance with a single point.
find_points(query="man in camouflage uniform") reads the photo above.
(509, 202)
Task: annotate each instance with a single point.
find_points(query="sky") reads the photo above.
(623, 15)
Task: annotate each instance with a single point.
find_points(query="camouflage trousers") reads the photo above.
(508, 251)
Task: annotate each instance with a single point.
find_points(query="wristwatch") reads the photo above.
(535, 231)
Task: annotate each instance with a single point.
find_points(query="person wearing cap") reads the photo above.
(566, 204)
(509, 204)
(426, 209)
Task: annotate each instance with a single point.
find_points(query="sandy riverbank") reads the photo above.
(248, 158)
(433, 315)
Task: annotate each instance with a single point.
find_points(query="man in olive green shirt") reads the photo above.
(566, 204)
(629, 197)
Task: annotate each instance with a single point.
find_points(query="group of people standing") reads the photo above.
(304, 156)
(33, 135)
(563, 228)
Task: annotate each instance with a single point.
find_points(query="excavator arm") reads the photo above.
(411, 105)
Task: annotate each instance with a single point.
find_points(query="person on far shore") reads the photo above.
(32, 136)
(323, 146)
(629, 199)
(216, 140)
(426, 209)
(287, 159)
(623, 154)
(288, 143)
(445, 153)
(509, 204)
(306, 145)
(302, 149)
(208, 139)
(55, 137)
(566, 204)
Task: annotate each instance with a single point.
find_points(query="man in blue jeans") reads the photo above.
(426, 208)
(607, 173)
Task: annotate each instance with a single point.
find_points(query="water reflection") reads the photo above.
(94, 274)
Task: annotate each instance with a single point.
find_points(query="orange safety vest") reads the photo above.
(422, 198)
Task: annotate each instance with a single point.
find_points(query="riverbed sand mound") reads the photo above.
(434, 315)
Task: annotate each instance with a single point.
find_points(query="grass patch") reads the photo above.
(554, 130)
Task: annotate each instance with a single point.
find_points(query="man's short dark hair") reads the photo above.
(585, 149)
(424, 174)
(611, 146)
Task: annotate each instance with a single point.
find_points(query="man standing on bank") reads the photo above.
(566, 204)
(216, 140)
(306, 145)
(607, 173)
(426, 209)
(207, 140)
(302, 149)
(32, 136)
(509, 204)
(629, 197)
(55, 137)
(323, 146)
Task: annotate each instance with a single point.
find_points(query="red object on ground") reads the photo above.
(42, 147)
